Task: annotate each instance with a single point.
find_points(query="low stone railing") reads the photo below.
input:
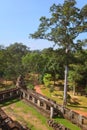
(51, 108)
(9, 94)
(45, 105)
(6, 123)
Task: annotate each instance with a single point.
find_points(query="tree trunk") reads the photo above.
(65, 78)
(65, 86)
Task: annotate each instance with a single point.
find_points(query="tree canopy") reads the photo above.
(65, 24)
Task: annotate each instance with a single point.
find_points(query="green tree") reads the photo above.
(2, 61)
(47, 79)
(82, 70)
(54, 64)
(13, 60)
(64, 25)
(74, 77)
(78, 70)
(33, 62)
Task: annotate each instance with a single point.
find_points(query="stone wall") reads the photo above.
(6, 123)
(9, 94)
(51, 108)
(56, 126)
(75, 118)
(45, 105)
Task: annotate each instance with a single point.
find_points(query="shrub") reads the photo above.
(47, 79)
(51, 88)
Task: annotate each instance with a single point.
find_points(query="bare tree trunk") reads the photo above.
(65, 86)
(65, 78)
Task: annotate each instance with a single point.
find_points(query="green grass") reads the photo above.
(26, 109)
(67, 124)
(55, 95)
(81, 104)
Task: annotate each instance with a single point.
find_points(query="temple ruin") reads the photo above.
(43, 104)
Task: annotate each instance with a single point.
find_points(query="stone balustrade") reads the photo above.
(9, 94)
(51, 108)
(56, 126)
(6, 123)
(45, 105)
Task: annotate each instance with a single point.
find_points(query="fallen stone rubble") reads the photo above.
(56, 126)
(6, 123)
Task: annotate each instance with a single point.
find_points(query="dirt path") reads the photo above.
(38, 90)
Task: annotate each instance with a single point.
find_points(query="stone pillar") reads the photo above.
(10, 94)
(45, 106)
(28, 97)
(38, 102)
(33, 99)
(17, 92)
(70, 115)
(80, 119)
(23, 95)
(51, 112)
(62, 110)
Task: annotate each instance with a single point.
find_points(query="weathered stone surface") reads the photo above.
(20, 82)
(45, 105)
(6, 123)
(56, 126)
(58, 110)
(9, 94)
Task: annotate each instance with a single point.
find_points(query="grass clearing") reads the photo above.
(27, 115)
(80, 102)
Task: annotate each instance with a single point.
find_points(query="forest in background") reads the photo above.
(17, 59)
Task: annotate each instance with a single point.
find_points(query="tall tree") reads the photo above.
(33, 62)
(75, 76)
(64, 25)
(14, 54)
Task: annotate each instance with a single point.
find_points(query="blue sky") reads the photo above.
(19, 18)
